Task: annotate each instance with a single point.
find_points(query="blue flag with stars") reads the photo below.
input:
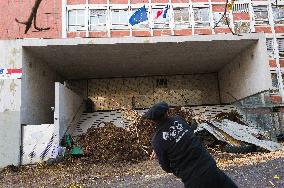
(138, 16)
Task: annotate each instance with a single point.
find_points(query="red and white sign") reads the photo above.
(10, 73)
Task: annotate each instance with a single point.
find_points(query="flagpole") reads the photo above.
(171, 20)
(151, 17)
(108, 19)
(191, 17)
(129, 25)
(211, 17)
(87, 18)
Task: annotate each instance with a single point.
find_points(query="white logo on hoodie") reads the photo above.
(176, 132)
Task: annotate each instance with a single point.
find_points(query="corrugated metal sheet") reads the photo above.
(221, 130)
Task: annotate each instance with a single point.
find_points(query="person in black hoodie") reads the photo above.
(180, 152)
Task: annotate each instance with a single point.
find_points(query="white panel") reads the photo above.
(96, 119)
(38, 143)
(67, 106)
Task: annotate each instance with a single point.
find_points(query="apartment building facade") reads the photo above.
(187, 53)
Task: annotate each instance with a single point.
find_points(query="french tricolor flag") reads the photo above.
(163, 12)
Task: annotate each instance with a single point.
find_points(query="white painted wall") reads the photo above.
(246, 75)
(10, 101)
(67, 106)
(10, 131)
(38, 90)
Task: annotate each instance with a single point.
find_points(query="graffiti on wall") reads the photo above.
(39, 143)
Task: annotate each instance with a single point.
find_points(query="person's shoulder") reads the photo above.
(179, 119)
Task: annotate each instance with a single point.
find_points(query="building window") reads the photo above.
(160, 16)
(143, 25)
(260, 15)
(201, 16)
(242, 26)
(221, 21)
(76, 20)
(274, 80)
(182, 18)
(98, 20)
(269, 46)
(278, 14)
(119, 19)
(280, 42)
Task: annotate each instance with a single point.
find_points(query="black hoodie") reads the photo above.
(179, 151)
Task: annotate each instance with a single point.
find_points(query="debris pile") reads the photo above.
(116, 144)
(187, 115)
(228, 130)
(10, 169)
(142, 128)
(236, 134)
(232, 116)
(207, 138)
(110, 144)
(105, 149)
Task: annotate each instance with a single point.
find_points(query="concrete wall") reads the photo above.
(80, 87)
(10, 101)
(10, 138)
(246, 75)
(67, 105)
(38, 94)
(180, 90)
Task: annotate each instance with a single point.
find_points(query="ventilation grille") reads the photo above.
(241, 8)
(269, 44)
(280, 44)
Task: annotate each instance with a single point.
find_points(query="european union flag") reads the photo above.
(138, 16)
